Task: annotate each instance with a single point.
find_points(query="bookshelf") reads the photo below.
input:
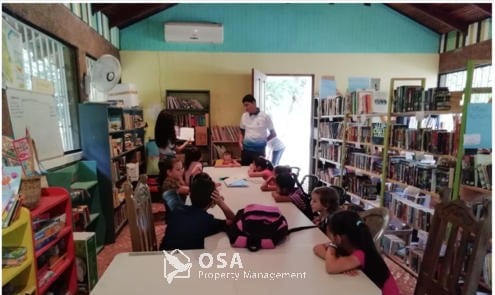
(225, 138)
(473, 178)
(19, 279)
(80, 179)
(329, 122)
(54, 243)
(114, 139)
(191, 108)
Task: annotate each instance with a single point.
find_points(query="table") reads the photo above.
(292, 271)
(238, 197)
(135, 273)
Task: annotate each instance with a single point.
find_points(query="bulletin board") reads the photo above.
(36, 112)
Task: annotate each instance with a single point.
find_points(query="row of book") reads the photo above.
(358, 133)
(355, 103)
(174, 103)
(330, 151)
(333, 130)
(416, 215)
(12, 210)
(225, 133)
(329, 175)
(425, 139)
(365, 161)
(192, 120)
(80, 217)
(46, 229)
(477, 170)
(13, 256)
(127, 121)
(365, 187)
(424, 176)
(414, 98)
(98, 21)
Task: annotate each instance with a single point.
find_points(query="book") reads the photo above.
(186, 133)
(235, 182)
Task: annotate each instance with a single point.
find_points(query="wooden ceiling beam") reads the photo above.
(101, 7)
(439, 15)
(485, 7)
(128, 15)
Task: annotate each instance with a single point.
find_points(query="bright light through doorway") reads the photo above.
(288, 101)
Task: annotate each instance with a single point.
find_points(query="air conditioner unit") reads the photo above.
(193, 32)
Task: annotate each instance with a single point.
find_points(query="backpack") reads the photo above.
(259, 227)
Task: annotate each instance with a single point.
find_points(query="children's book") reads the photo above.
(235, 182)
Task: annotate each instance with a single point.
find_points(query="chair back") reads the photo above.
(309, 182)
(377, 221)
(456, 246)
(295, 170)
(140, 217)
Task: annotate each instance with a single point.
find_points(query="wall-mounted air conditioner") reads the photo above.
(193, 32)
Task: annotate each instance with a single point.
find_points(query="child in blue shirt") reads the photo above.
(188, 226)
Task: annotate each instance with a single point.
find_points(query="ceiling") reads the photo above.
(439, 17)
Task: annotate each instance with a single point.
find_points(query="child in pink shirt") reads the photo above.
(351, 235)
(261, 167)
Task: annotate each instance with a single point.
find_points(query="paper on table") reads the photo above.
(186, 133)
(235, 182)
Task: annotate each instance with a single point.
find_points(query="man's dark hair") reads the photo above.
(201, 188)
(248, 98)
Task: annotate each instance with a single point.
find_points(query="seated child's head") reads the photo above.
(285, 183)
(227, 157)
(192, 154)
(172, 168)
(261, 164)
(201, 188)
(347, 227)
(281, 169)
(324, 200)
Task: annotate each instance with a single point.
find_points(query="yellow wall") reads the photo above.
(228, 75)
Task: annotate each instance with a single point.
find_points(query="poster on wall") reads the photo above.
(12, 61)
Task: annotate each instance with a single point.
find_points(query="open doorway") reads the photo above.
(288, 101)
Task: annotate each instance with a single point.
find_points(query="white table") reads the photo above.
(144, 274)
(238, 197)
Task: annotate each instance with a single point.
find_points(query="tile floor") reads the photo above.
(405, 281)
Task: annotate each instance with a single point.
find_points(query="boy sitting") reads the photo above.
(187, 226)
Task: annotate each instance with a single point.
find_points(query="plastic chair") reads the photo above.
(295, 170)
(309, 182)
(457, 244)
(377, 221)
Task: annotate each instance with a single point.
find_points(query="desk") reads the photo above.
(143, 274)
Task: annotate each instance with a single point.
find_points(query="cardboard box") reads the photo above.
(86, 265)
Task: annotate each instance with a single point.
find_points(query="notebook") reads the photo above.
(235, 182)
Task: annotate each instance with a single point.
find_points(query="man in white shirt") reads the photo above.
(255, 125)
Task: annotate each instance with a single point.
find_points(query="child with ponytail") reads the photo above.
(348, 232)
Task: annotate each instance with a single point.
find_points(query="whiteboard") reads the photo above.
(36, 112)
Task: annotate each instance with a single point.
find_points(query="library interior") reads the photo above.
(247, 147)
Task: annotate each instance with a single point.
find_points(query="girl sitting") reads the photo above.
(192, 163)
(227, 161)
(269, 185)
(324, 202)
(288, 192)
(261, 167)
(174, 188)
(348, 232)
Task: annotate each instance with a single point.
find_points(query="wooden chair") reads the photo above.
(377, 220)
(456, 246)
(140, 217)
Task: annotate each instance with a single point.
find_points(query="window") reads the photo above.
(482, 77)
(46, 58)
